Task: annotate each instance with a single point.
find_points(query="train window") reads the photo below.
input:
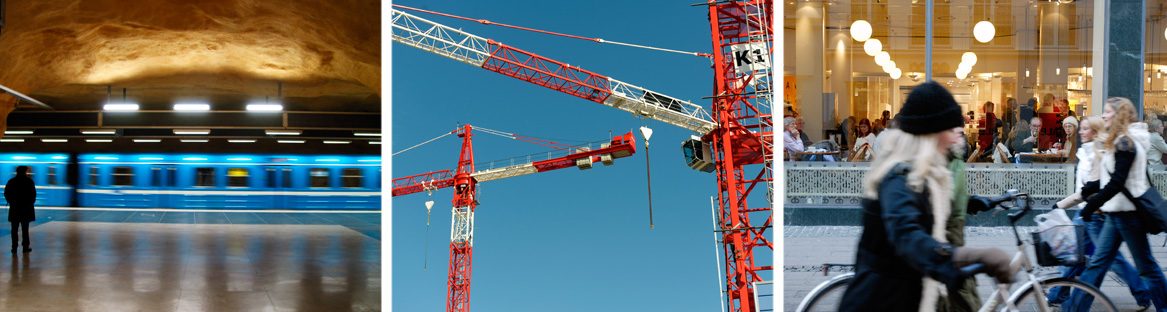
(156, 177)
(123, 176)
(350, 177)
(93, 176)
(319, 177)
(287, 178)
(205, 177)
(237, 177)
(52, 175)
(170, 180)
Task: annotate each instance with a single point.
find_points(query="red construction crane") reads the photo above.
(738, 133)
(465, 180)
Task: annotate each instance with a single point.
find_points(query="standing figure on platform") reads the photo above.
(20, 193)
(904, 260)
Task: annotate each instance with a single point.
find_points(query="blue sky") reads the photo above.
(566, 240)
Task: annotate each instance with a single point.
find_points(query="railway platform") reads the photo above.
(204, 260)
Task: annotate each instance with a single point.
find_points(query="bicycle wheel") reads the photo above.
(827, 296)
(1025, 300)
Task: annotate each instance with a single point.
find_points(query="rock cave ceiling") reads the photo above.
(320, 55)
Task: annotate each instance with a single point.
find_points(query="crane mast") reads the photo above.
(741, 33)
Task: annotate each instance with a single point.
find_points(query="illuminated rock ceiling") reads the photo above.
(326, 53)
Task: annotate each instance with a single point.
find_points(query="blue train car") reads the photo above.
(47, 172)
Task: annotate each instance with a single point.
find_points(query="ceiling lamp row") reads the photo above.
(104, 131)
(194, 107)
(10, 140)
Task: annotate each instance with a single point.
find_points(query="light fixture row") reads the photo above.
(46, 140)
(193, 107)
(106, 131)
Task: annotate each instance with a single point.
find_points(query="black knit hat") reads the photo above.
(930, 108)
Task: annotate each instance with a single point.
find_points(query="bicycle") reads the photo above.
(1030, 296)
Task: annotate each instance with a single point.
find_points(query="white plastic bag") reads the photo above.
(1056, 229)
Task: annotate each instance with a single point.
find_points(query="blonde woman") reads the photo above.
(1122, 166)
(904, 260)
(1093, 127)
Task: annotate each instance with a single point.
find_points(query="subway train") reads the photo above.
(201, 181)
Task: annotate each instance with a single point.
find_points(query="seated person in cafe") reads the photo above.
(802, 134)
(792, 141)
(1026, 141)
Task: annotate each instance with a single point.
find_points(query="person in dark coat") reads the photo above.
(20, 194)
(904, 259)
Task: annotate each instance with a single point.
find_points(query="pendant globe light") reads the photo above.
(861, 30)
(969, 57)
(882, 58)
(872, 46)
(895, 73)
(984, 30)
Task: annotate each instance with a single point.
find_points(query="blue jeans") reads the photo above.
(1120, 266)
(1118, 228)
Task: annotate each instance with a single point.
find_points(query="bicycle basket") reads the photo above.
(1066, 250)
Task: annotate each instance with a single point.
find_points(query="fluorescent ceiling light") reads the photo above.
(240, 141)
(54, 140)
(290, 141)
(282, 132)
(98, 131)
(98, 140)
(192, 131)
(121, 107)
(328, 159)
(23, 157)
(375, 142)
(238, 158)
(265, 107)
(194, 158)
(12, 140)
(147, 140)
(194, 141)
(370, 160)
(149, 158)
(337, 142)
(60, 157)
(366, 133)
(105, 158)
(192, 107)
(6, 132)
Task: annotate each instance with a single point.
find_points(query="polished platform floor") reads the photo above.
(90, 260)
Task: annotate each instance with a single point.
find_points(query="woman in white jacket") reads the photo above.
(1092, 127)
(1122, 166)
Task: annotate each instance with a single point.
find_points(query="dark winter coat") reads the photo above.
(896, 250)
(20, 194)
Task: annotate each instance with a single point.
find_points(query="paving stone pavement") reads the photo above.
(806, 248)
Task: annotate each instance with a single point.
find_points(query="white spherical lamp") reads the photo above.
(872, 46)
(984, 31)
(965, 67)
(969, 58)
(860, 30)
(889, 66)
(961, 74)
(882, 58)
(895, 73)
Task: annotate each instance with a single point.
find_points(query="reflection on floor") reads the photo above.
(240, 262)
